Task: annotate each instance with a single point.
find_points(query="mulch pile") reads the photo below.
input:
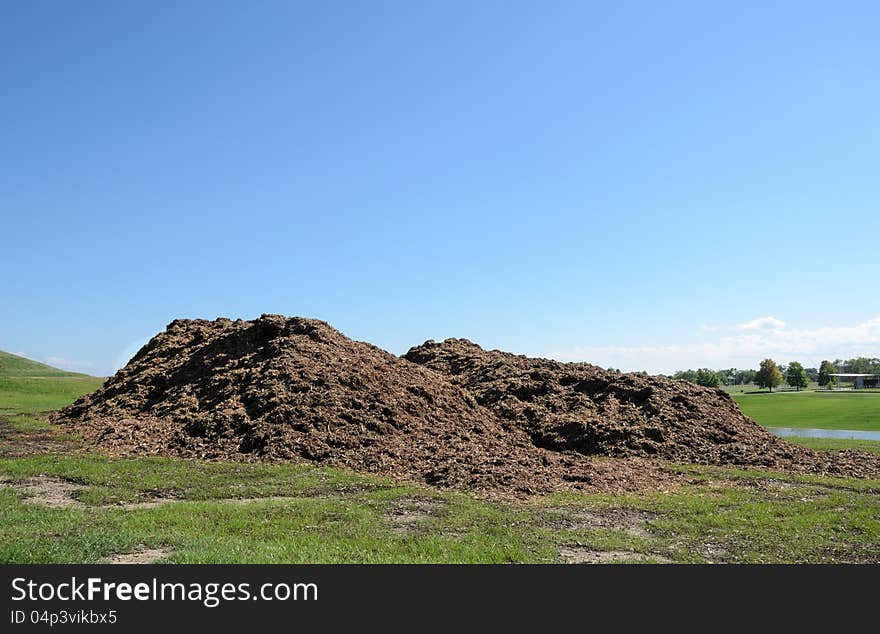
(447, 414)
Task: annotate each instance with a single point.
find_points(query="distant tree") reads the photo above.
(768, 375)
(863, 365)
(744, 377)
(686, 375)
(795, 375)
(707, 378)
(812, 374)
(826, 369)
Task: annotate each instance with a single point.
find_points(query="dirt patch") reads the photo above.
(626, 520)
(57, 493)
(16, 443)
(146, 556)
(449, 415)
(409, 514)
(48, 491)
(134, 506)
(585, 555)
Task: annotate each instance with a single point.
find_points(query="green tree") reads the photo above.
(796, 376)
(826, 369)
(745, 376)
(686, 375)
(707, 378)
(768, 375)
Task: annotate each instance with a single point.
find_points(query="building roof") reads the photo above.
(840, 374)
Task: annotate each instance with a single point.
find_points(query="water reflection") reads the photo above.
(849, 434)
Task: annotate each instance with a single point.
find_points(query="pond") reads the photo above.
(848, 434)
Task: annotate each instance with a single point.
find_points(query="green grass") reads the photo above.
(39, 394)
(209, 512)
(335, 516)
(835, 444)
(14, 365)
(751, 388)
(822, 410)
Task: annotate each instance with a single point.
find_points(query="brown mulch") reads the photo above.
(449, 415)
(593, 411)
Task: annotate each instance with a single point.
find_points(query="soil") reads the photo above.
(450, 415)
(48, 491)
(146, 556)
(17, 444)
(584, 555)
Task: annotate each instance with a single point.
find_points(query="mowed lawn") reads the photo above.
(807, 409)
(37, 394)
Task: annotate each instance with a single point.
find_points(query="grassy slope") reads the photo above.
(28, 386)
(12, 365)
(824, 410)
(296, 513)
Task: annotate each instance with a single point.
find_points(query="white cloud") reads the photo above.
(68, 364)
(762, 323)
(744, 348)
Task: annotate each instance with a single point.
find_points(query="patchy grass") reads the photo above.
(279, 513)
(236, 513)
(59, 504)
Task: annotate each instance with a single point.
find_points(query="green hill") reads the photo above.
(27, 386)
(14, 365)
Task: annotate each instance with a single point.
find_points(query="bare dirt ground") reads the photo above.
(585, 555)
(146, 556)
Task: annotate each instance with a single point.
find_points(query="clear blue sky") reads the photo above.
(545, 177)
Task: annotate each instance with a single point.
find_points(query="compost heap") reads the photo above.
(447, 414)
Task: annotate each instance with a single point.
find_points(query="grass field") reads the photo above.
(59, 503)
(33, 394)
(835, 444)
(823, 410)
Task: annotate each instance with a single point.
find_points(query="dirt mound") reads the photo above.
(293, 388)
(448, 414)
(584, 408)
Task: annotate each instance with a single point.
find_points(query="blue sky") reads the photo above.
(628, 183)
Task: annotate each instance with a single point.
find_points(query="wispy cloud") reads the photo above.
(762, 323)
(743, 346)
(68, 364)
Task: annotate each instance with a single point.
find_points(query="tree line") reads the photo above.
(770, 374)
